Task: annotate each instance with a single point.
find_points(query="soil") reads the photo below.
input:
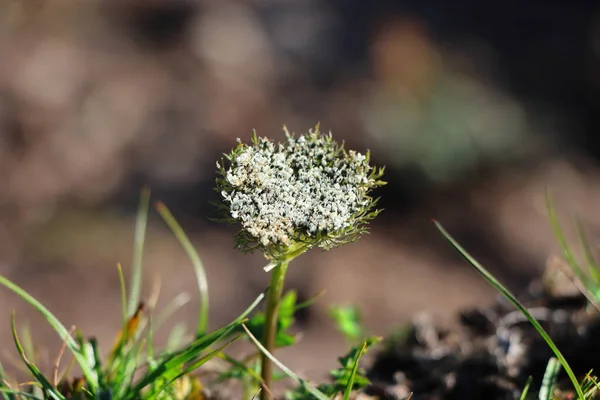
(490, 353)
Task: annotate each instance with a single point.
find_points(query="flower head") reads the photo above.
(305, 192)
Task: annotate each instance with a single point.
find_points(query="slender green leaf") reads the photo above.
(510, 297)
(350, 385)
(312, 389)
(88, 372)
(567, 253)
(241, 367)
(196, 262)
(13, 393)
(124, 312)
(175, 360)
(525, 390)
(310, 301)
(200, 362)
(133, 363)
(88, 352)
(592, 265)
(50, 389)
(6, 395)
(138, 251)
(96, 356)
(590, 385)
(150, 338)
(549, 380)
(348, 321)
(27, 342)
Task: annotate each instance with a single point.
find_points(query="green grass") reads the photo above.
(134, 368)
(586, 278)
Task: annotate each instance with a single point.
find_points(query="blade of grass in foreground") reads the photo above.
(589, 385)
(525, 390)
(592, 265)
(313, 390)
(88, 372)
(124, 312)
(350, 385)
(12, 393)
(567, 253)
(48, 387)
(171, 364)
(138, 251)
(510, 297)
(549, 380)
(199, 363)
(196, 262)
(4, 388)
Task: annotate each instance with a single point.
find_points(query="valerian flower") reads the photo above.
(291, 196)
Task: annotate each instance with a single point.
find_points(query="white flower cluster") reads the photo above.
(302, 188)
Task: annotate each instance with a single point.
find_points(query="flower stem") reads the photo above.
(270, 329)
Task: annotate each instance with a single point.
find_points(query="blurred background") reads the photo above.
(474, 107)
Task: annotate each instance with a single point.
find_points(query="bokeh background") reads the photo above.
(474, 107)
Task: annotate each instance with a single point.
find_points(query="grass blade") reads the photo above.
(196, 364)
(549, 380)
(567, 253)
(592, 265)
(313, 390)
(88, 372)
(12, 393)
(124, 312)
(27, 342)
(52, 391)
(138, 251)
(196, 262)
(241, 366)
(173, 363)
(510, 297)
(590, 385)
(350, 385)
(309, 302)
(6, 394)
(525, 390)
(176, 360)
(348, 322)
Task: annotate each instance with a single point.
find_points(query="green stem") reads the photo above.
(268, 339)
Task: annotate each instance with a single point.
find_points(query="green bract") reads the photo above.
(291, 196)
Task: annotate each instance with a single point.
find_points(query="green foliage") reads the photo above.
(345, 379)
(513, 300)
(588, 277)
(525, 390)
(134, 369)
(305, 384)
(349, 322)
(549, 380)
(196, 263)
